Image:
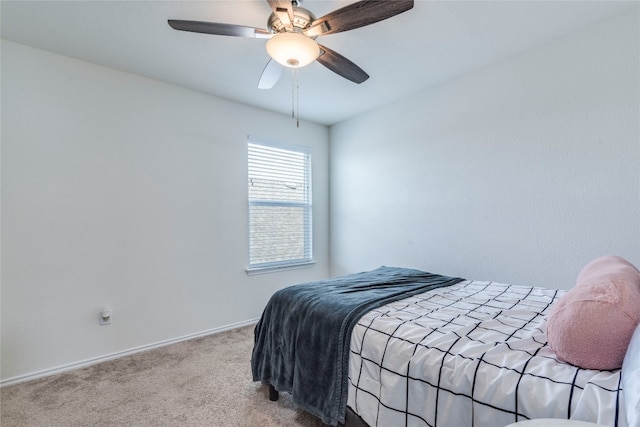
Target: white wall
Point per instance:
(125, 191)
(519, 172)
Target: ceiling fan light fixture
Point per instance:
(293, 50)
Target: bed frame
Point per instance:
(352, 419)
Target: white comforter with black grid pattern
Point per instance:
(472, 354)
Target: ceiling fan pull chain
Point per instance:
(297, 100)
(293, 93)
(295, 97)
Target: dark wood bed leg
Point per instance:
(353, 420)
(273, 393)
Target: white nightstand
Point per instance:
(553, 422)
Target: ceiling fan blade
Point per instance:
(284, 10)
(270, 75)
(341, 65)
(357, 15)
(218, 29)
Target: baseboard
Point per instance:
(116, 355)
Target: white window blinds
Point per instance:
(279, 205)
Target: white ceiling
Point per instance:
(433, 42)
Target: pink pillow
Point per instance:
(592, 324)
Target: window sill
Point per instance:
(264, 270)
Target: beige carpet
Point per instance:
(202, 382)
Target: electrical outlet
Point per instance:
(105, 316)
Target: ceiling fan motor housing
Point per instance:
(302, 19)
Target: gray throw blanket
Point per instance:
(302, 340)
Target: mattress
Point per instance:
(472, 354)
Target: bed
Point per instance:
(430, 350)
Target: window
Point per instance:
(279, 205)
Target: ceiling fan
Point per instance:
(292, 30)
